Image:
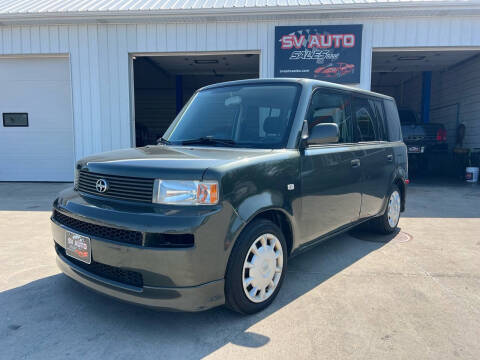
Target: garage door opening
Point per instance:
(437, 93)
(163, 84)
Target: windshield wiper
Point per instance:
(208, 140)
(163, 141)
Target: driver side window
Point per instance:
(329, 106)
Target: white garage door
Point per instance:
(43, 150)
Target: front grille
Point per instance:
(104, 232)
(119, 187)
(106, 271)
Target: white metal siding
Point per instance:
(100, 61)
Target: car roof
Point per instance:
(301, 81)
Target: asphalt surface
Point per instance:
(415, 295)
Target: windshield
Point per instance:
(250, 115)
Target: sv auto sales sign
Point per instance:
(330, 52)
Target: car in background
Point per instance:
(334, 70)
(426, 142)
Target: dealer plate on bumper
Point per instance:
(414, 149)
(78, 247)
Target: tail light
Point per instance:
(442, 134)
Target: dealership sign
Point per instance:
(330, 52)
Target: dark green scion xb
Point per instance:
(249, 174)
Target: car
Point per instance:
(249, 174)
(334, 70)
(426, 143)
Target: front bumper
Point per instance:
(194, 298)
(187, 279)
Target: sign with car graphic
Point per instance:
(328, 52)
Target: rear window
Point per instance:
(407, 117)
(393, 121)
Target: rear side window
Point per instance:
(393, 121)
(368, 123)
(331, 107)
(380, 114)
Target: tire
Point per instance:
(271, 246)
(388, 222)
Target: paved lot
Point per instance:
(357, 296)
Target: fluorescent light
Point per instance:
(206, 61)
(411, 58)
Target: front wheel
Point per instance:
(388, 222)
(256, 268)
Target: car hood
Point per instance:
(167, 162)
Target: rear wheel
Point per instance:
(256, 268)
(388, 222)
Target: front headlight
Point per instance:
(185, 192)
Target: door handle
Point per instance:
(390, 157)
(355, 163)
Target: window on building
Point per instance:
(15, 119)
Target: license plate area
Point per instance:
(78, 247)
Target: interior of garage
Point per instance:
(439, 87)
(163, 84)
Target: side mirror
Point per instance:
(323, 134)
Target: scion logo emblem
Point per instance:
(101, 185)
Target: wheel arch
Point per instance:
(280, 218)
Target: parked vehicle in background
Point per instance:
(334, 70)
(426, 142)
(248, 174)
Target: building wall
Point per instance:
(100, 67)
(411, 94)
(458, 85)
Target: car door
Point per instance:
(374, 153)
(329, 175)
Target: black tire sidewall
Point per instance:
(234, 293)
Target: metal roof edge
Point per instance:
(471, 8)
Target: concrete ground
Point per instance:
(358, 296)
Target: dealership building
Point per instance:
(78, 77)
